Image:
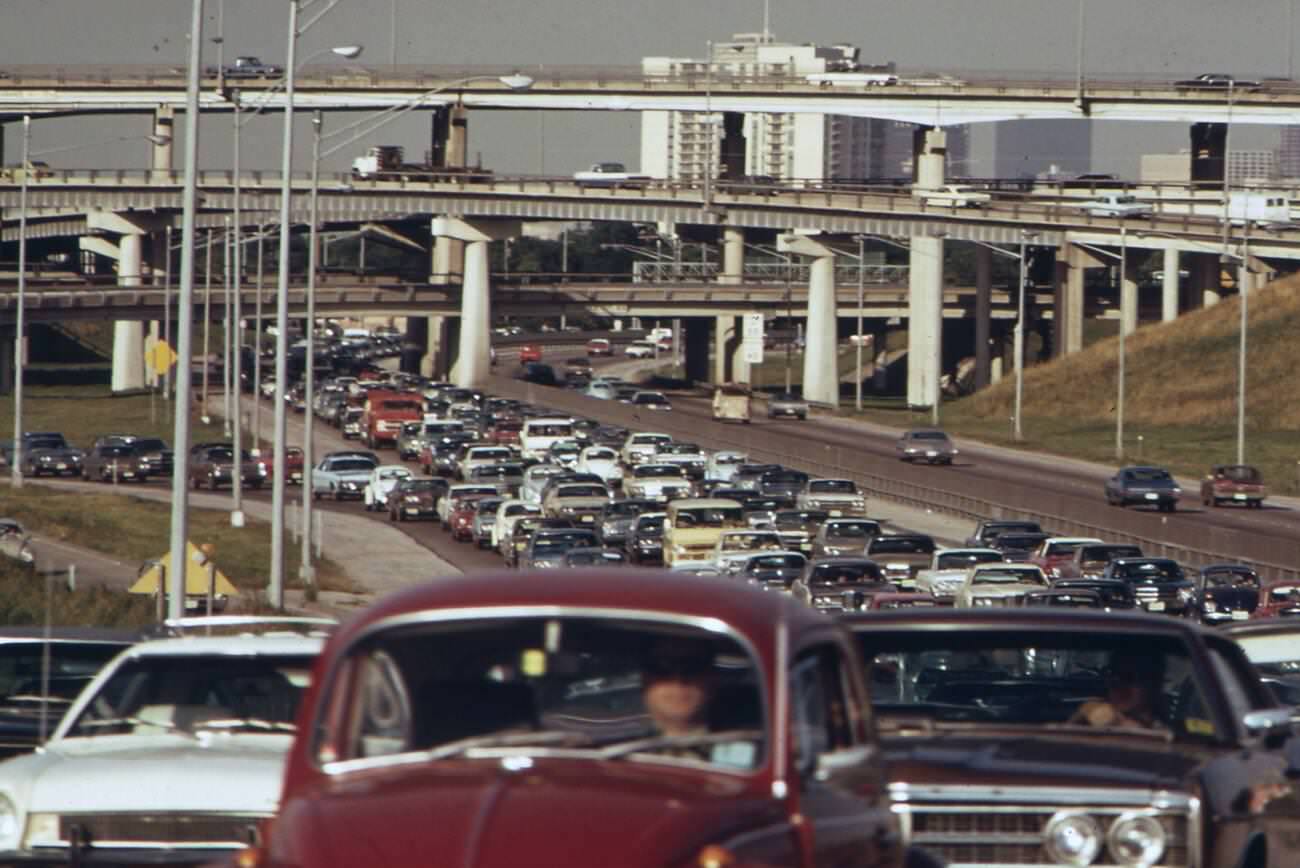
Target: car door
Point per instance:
(842, 794)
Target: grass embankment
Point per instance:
(1180, 394)
(24, 601)
(120, 524)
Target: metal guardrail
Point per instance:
(846, 274)
(1276, 558)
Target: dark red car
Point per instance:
(505, 431)
(462, 518)
(591, 717)
(530, 353)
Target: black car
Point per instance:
(50, 454)
(1226, 593)
(156, 457)
(1217, 80)
(798, 527)
(1143, 486)
(1159, 584)
(989, 530)
(617, 518)
(1112, 593)
(1017, 546)
(783, 481)
(645, 540)
(539, 373)
(775, 570)
(835, 585)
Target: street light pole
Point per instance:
(857, 391)
(306, 570)
(1244, 284)
(276, 589)
(1079, 58)
(20, 330)
(179, 536)
(1123, 327)
(1017, 430)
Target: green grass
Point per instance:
(25, 598)
(82, 413)
(135, 530)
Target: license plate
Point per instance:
(586, 519)
(61, 466)
(1151, 495)
(411, 510)
(1240, 616)
(1234, 497)
(836, 513)
(931, 454)
(1155, 606)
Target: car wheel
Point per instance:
(315, 495)
(334, 494)
(212, 484)
(257, 486)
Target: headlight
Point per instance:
(261, 469)
(1177, 490)
(909, 450)
(1072, 839)
(679, 549)
(8, 824)
(412, 498)
(1136, 840)
(984, 601)
(1185, 595)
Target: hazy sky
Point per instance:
(1165, 38)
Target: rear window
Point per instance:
(901, 546)
(581, 491)
(832, 486)
(836, 574)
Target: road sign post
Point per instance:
(752, 338)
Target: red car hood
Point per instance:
(475, 814)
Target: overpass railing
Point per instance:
(846, 274)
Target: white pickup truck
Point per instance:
(609, 175)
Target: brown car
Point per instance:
(415, 499)
(902, 556)
(1233, 483)
(214, 467)
(113, 463)
(1058, 736)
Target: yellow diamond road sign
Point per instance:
(161, 357)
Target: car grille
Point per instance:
(995, 832)
(159, 830)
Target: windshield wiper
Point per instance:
(135, 721)
(249, 723)
(546, 738)
(661, 742)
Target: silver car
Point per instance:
(787, 405)
(926, 444)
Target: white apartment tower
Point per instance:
(678, 145)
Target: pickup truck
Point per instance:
(609, 175)
(247, 66)
(1233, 483)
(384, 414)
(1115, 205)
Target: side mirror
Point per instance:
(1271, 725)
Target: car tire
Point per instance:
(212, 484)
(256, 486)
(315, 495)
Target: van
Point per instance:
(537, 435)
(1258, 207)
(694, 525)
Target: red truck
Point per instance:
(384, 413)
(1233, 483)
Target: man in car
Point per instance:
(1133, 693)
(676, 686)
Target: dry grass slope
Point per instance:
(1179, 373)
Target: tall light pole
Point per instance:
(1079, 40)
(1245, 284)
(1017, 431)
(1123, 328)
(306, 570)
(857, 390)
(184, 326)
(20, 330)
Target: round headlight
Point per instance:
(1136, 839)
(1072, 839)
(8, 824)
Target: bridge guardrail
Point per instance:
(1277, 558)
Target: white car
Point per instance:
(940, 583)
(964, 558)
(602, 461)
(641, 446)
(535, 479)
(954, 196)
(177, 746)
(735, 547)
(340, 476)
(838, 497)
(602, 389)
(1116, 205)
(455, 493)
(480, 456)
(509, 512)
(722, 465)
(641, 350)
(999, 584)
(657, 482)
(383, 479)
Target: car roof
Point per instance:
(703, 503)
(1030, 618)
(241, 645)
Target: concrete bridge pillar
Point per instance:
(733, 255)
(821, 377)
(695, 338)
(1169, 286)
(473, 360)
(164, 117)
(929, 157)
(729, 364)
(128, 335)
(450, 136)
(924, 321)
(983, 312)
(1128, 297)
(1206, 287)
(1071, 296)
(732, 146)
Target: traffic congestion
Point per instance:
(673, 655)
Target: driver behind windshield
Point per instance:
(1133, 694)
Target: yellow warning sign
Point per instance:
(160, 357)
(196, 576)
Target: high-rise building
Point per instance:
(1288, 154)
(1252, 166)
(786, 146)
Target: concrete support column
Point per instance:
(929, 157)
(6, 362)
(1060, 277)
(696, 350)
(448, 260)
(924, 321)
(1208, 280)
(163, 120)
(1069, 310)
(724, 330)
(983, 312)
(821, 376)
(733, 255)
(740, 372)
(473, 358)
(1128, 298)
(1169, 286)
(128, 335)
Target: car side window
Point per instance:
(819, 706)
(1241, 698)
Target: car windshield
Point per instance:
(650, 439)
(545, 471)
(838, 574)
(849, 530)
(495, 471)
(494, 687)
(657, 471)
(158, 694)
(784, 476)
(741, 542)
(709, 516)
(420, 485)
(789, 561)
(1042, 679)
(344, 465)
(901, 546)
(71, 665)
(626, 508)
(786, 396)
(725, 459)
(1106, 554)
(581, 491)
(649, 398)
(1231, 579)
(928, 435)
(559, 542)
(549, 430)
(44, 443)
(1001, 576)
(832, 486)
(955, 560)
(799, 518)
(394, 473)
(600, 455)
(650, 524)
(1147, 571)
